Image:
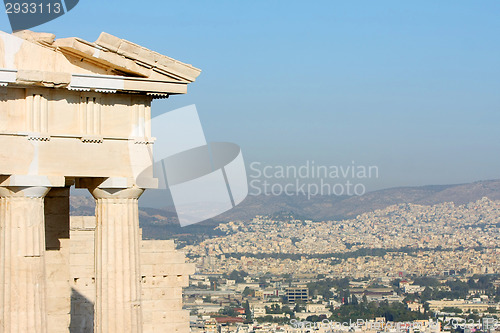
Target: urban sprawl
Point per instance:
(407, 267)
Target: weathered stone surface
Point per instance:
(22, 261)
(161, 295)
(43, 37)
(78, 113)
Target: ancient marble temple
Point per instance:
(76, 113)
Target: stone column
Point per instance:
(117, 249)
(22, 260)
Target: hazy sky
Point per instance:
(410, 86)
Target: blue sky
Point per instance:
(410, 86)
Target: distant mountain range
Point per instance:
(334, 207)
(318, 207)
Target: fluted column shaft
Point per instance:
(118, 297)
(22, 260)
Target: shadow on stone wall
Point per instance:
(82, 313)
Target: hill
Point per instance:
(162, 223)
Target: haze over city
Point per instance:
(370, 201)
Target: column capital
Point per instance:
(116, 193)
(24, 191)
(111, 187)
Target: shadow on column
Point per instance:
(56, 218)
(82, 313)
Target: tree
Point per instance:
(248, 312)
(238, 276)
(427, 307)
(426, 294)
(274, 309)
(458, 288)
(298, 308)
(248, 292)
(426, 281)
(286, 309)
(315, 318)
(228, 311)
